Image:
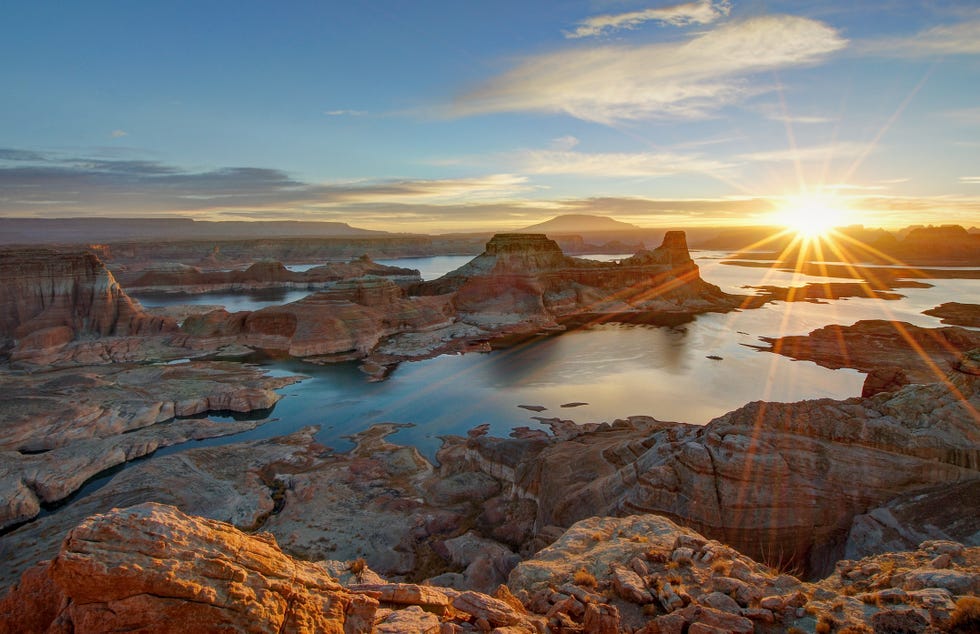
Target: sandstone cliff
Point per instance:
(47, 299)
(526, 279)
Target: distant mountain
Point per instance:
(89, 230)
(580, 223)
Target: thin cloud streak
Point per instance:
(616, 164)
(962, 38)
(704, 12)
(688, 79)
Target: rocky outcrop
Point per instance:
(524, 281)
(47, 299)
(957, 314)
(153, 568)
(925, 355)
(780, 481)
(905, 521)
(63, 427)
(351, 319)
(265, 274)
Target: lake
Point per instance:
(618, 370)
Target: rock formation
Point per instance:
(350, 318)
(153, 568)
(61, 428)
(924, 354)
(188, 279)
(780, 481)
(957, 314)
(47, 299)
(525, 280)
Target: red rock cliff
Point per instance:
(72, 293)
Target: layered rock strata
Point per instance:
(527, 279)
(48, 299)
(780, 481)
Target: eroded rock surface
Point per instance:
(526, 280)
(153, 568)
(48, 299)
(780, 481)
(59, 428)
(957, 314)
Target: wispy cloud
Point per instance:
(564, 143)
(118, 134)
(345, 113)
(962, 38)
(703, 12)
(688, 79)
(615, 164)
(970, 180)
(32, 180)
(807, 153)
(776, 112)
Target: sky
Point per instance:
(433, 117)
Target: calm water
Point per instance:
(618, 370)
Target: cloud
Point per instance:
(806, 154)
(31, 180)
(703, 12)
(687, 79)
(775, 112)
(962, 38)
(564, 143)
(970, 180)
(118, 134)
(615, 164)
(345, 113)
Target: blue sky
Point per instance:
(441, 116)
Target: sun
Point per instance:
(811, 216)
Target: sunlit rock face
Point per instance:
(49, 298)
(525, 278)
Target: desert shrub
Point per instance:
(966, 617)
(584, 578)
(860, 628)
(721, 568)
(357, 567)
(825, 625)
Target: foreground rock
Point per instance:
(60, 428)
(152, 568)
(49, 299)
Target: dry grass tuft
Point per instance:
(584, 578)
